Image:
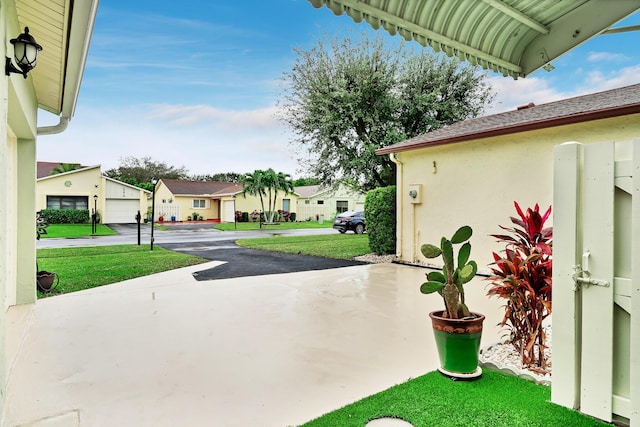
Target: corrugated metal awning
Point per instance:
(514, 37)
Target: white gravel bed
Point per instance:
(375, 259)
(504, 358)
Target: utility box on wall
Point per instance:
(415, 193)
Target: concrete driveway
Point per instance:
(167, 350)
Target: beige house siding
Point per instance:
(75, 183)
(113, 195)
(182, 206)
(325, 203)
(218, 207)
(251, 203)
(476, 182)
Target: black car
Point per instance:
(350, 220)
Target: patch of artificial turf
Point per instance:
(494, 400)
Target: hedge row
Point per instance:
(66, 216)
(281, 215)
(380, 211)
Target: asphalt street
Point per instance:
(215, 245)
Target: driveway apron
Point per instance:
(242, 262)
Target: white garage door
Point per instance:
(121, 211)
(228, 211)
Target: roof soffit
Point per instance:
(514, 37)
(63, 28)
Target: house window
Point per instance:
(342, 206)
(68, 202)
(307, 202)
(200, 203)
(321, 202)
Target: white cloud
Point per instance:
(606, 57)
(511, 93)
(230, 141)
(187, 115)
(598, 80)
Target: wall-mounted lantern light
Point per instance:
(26, 54)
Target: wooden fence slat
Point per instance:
(565, 389)
(634, 365)
(597, 301)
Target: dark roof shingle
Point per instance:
(601, 105)
(201, 188)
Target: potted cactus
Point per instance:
(456, 329)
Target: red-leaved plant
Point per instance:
(523, 277)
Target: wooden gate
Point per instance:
(596, 279)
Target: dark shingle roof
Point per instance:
(201, 188)
(601, 105)
(45, 168)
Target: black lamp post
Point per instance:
(154, 181)
(94, 229)
(235, 217)
(25, 52)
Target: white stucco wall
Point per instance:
(476, 183)
(18, 108)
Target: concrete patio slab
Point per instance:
(278, 350)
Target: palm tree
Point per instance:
(253, 185)
(266, 183)
(64, 167)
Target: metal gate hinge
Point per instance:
(583, 276)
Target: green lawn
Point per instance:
(343, 246)
(75, 230)
(495, 400)
(229, 226)
(89, 267)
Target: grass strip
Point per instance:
(242, 226)
(75, 230)
(342, 246)
(495, 400)
(89, 267)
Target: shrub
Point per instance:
(284, 215)
(238, 216)
(380, 213)
(523, 278)
(66, 216)
(255, 216)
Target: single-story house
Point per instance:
(315, 201)
(63, 30)
(86, 188)
(212, 200)
(471, 172)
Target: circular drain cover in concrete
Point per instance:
(388, 422)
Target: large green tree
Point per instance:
(220, 177)
(345, 99)
(266, 184)
(140, 171)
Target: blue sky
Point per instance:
(197, 86)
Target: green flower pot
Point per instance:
(458, 342)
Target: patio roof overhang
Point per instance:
(514, 38)
(63, 28)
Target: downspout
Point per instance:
(399, 203)
(51, 130)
